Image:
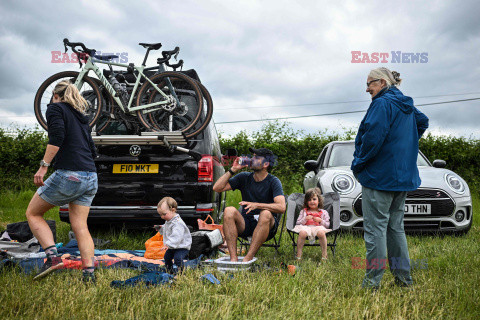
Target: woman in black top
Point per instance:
(74, 181)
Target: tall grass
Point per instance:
(447, 289)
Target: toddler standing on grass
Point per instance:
(176, 235)
(312, 222)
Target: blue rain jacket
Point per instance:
(386, 146)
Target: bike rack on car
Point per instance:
(173, 140)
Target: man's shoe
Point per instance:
(49, 266)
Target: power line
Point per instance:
(293, 105)
(337, 102)
(315, 115)
(337, 113)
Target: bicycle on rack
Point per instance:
(169, 101)
(208, 103)
(160, 121)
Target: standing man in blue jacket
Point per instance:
(385, 164)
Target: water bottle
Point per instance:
(115, 84)
(124, 93)
(120, 89)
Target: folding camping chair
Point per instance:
(273, 242)
(331, 203)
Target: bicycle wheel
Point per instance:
(203, 122)
(188, 93)
(88, 90)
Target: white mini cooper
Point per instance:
(442, 202)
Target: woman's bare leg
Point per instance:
(78, 219)
(40, 229)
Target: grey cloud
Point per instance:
(287, 52)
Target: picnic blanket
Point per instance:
(131, 259)
(154, 277)
(109, 258)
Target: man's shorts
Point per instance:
(251, 224)
(64, 186)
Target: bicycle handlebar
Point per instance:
(168, 54)
(176, 65)
(73, 45)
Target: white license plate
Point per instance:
(424, 208)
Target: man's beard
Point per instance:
(257, 169)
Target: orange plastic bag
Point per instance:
(154, 247)
(203, 225)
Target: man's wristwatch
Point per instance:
(44, 164)
(231, 172)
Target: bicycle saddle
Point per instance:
(151, 46)
(106, 57)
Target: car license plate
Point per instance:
(424, 208)
(135, 168)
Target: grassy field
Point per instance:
(447, 289)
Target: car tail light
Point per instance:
(209, 211)
(205, 169)
(64, 209)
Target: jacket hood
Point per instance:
(80, 116)
(396, 97)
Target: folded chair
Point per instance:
(273, 242)
(331, 203)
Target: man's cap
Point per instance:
(266, 153)
(263, 152)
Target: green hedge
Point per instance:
(20, 153)
(295, 147)
(461, 154)
(22, 149)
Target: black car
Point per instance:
(136, 171)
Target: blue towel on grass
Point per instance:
(152, 278)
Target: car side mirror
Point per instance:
(229, 157)
(311, 165)
(439, 163)
(231, 153)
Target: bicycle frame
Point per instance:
(90, 66)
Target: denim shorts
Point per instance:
(64, 186)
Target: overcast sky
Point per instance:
(256, 57)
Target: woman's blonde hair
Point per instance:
(70, 94)
(310, 194)
(391, 77)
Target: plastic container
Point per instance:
(224, 264)
(245, 161)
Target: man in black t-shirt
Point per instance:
(262, 200)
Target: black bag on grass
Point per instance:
(204, 242)
(21, 232)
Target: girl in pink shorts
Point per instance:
(312, 222)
